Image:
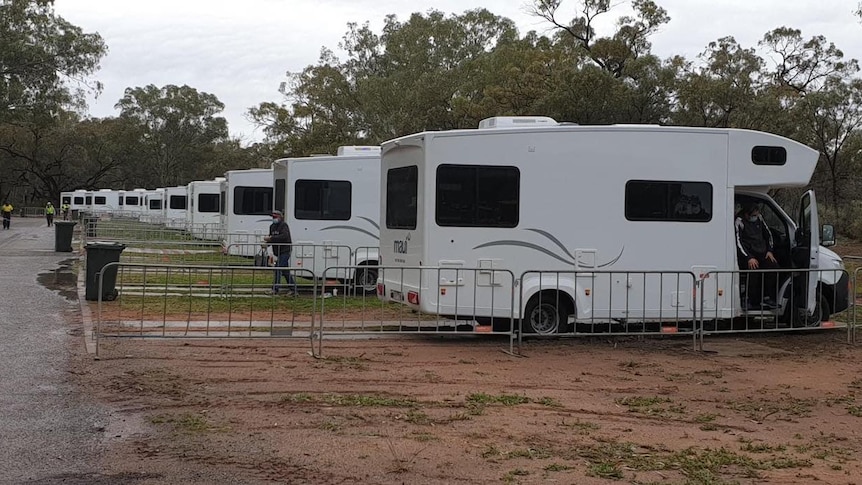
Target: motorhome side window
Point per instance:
(761, 155)
(402, 186)
(131, 201)
(208, 203)
(178, 202)
(222, 203)
(156, 204)
(100, 200)
(252, 201)
(280, 194)
(79, 200)
(478, 196)
(89, 200)
(67, 200)
(651, 200)
(325, 200)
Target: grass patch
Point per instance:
(417, 417)
(330, 426)
(556, 467)
(349, 400)
(784, 408)
(187, 423)
(550, 402)
(705, 418)
(762, 448)
(855, 411)
(583, 427)
(504, 399)
(641, 402)
(605, 470)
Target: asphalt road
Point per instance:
(49, 431)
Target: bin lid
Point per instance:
(63, 223)
(105, 245)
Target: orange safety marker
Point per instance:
(829, 324)
(668, 330)
(483, 329)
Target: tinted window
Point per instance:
(255, 201)
(89, 200)
(648, 200)
(131, 201)
(327, 200)
(477, 196)
(79, 200)
(156, 204)
(66, 200)
(223, 203)
(280, 194)
(178, 202)
(769, 155)
(101, 200)
(401, 193)
(208, 203)
(121, 200)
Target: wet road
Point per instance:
(49, 431)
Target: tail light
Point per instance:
(380, 289)
(413, 297)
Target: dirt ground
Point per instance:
(759, 409)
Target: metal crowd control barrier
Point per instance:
(36, 212)
(591, 303)
(774, 300)
(205, 302)
(313, 257)
(464, 301)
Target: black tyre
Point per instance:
(365, 280)
(546, 315)
(800, 318)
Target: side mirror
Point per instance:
(827, 236)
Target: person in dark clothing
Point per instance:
(279, 237)
(755, 248)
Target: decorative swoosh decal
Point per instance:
(555, 240)
(370, 221)
(351, 228)
(525, 245)
(546, 251)
(613, 260)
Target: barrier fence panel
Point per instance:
(584, 303)
(204, 301)
(419, 300)
(313, 257)
(37, 212)
(776, 300)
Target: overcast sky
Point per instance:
(240, 51)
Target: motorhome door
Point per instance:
(809, 228)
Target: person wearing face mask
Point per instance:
(756, 250)
(279, 237)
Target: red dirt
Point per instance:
(774, 408)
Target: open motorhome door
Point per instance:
(809, 236)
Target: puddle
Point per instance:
(63, 280)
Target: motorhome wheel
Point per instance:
(366, 279)
(545, 316)
(800, 318)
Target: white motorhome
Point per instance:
(246, 209)
(332, 206)
(132, 202)
(175, 206)
(204, 207)
(523, 194)
(105, 201)
(79, 198)
(152, 212)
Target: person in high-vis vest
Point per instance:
(6, 211)
(65, 209)
(49, 214)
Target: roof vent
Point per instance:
(346, 151)
(517, 122)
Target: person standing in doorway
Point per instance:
(279, 237)
(6, 210)
(755, 248)
(49, 214)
